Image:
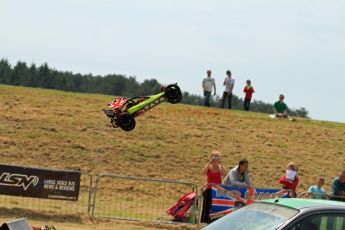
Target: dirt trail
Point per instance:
(88, 224)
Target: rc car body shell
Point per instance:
(123, 110)
(148, 101)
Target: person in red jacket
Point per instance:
(288, 183)
(249, 90)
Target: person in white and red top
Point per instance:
(249, 90)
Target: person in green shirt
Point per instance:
(280, 108)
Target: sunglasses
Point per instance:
(216, 158)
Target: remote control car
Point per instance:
(123, 110)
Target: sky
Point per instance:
(294, 47)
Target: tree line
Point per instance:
(43, 76)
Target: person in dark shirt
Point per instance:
(338, 187)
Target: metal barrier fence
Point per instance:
(26, 205)
(134, 198)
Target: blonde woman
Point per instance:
(214, 171)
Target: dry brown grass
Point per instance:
(68, 130)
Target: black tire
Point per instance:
(173, 94)
(114, 123)
(126, 122)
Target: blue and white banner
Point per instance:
(226, 199)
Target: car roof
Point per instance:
(298, 203)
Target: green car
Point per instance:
(287, 214)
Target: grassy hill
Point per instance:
(57, 129)
(50, 128)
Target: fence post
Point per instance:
(89, 204)
(200, 204)
(94, 195)
(196, 205)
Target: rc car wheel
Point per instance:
(114, 123)
(173, 94)
(126, 122)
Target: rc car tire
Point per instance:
(126, 122)
(173, 93)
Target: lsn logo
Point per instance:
(18, 180)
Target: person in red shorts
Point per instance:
(248, 90)
(214, 171)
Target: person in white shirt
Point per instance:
(207, 84)
(229, 84)
(238, 177)
(290, 175)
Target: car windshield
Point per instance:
(258, 216)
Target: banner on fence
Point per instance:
(226, 199)
(39, 183)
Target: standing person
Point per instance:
(214, 171)
(290, 179)
(338, 187)
(238, 176)
(207, 84)
(249, 90)
(316, 191)
(229, 84)
(280, 108)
